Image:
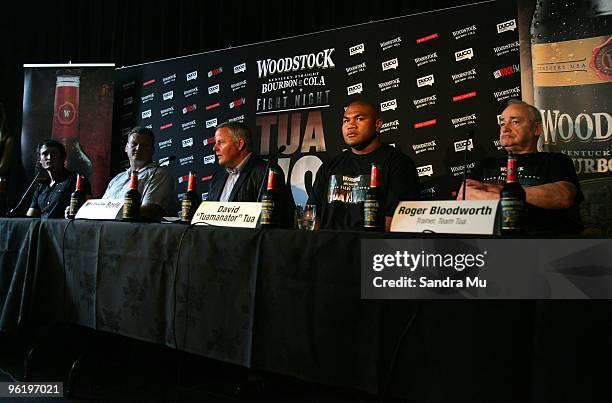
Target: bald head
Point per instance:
(360, 127)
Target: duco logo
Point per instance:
(389, 105)
(355, 89)
(390, 64)
(425, 170)
(240, 68)
(464, 54)
(357, 49)
(427, 80)
(211, 123)
(461, 145)
(192, 76)
(506, 26)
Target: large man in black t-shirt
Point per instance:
(551, 185)
(341, 183)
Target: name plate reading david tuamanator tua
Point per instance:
(446, 217)
(227, 214)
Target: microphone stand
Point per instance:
(468, 136)
(18, 206)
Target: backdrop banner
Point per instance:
(435, 76)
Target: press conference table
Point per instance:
(289, 302)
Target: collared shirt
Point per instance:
(233, 175)
(52, 200)
(160, 188)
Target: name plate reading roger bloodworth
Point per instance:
(446, 217)
(101, 209)
(228, 214)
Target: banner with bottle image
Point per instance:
(73, 104)
(571, 50)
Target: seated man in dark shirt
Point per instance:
(340, 184)
(53, 196)
(242, 177)
(551, 185)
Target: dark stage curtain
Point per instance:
(133, 32)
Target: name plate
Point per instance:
(446, 216)
(101, 209)
(228, 214)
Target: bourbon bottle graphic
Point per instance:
(66, 121)
(571, 48)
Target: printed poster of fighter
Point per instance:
(436, 77)
(73, 104)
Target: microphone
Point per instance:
(468, 136)
(272, 157)
(165, 163)
(18, 206)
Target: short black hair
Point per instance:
(51, 144)
(375, 110)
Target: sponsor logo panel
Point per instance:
(319, 60)
(461, 145)
(240, 68)
(388, 105)
(423, 147)
(387, 85)
(464, 54)
(425, 170)
(509, 25)
(390, 64)
(389, 126)
(462, 97)
(426, 101)
(358, 68)
(169, 79)
(355, 89)
(426, 38)
(357, 49)
(425, 123)
(463, 32)
(392, 43)
(192, 76)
